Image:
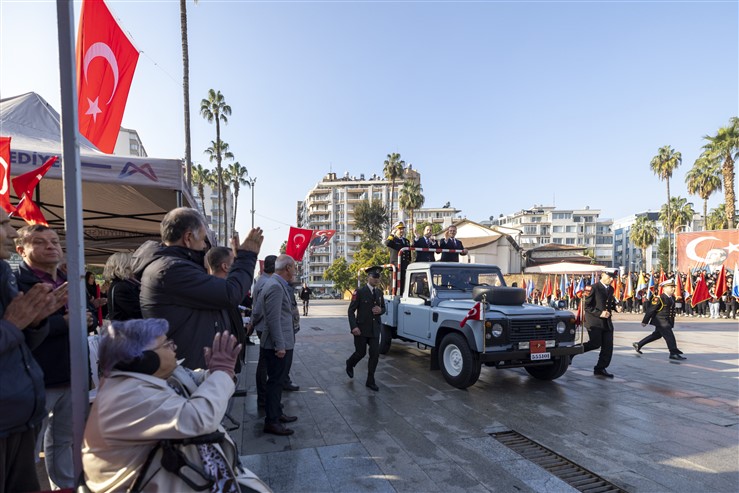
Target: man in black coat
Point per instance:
(599, 307)
(661, 314)
(364, 322)
(395, 242)
(426, 241)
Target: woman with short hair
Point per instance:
(123, 293)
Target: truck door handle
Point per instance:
(407, 313)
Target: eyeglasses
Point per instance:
(169, 344)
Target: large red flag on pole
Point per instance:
(5, 175)
(106, 61)
(701, 291)
(297, 242)
(26, 183)
(721, 286)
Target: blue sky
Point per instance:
(499, 105)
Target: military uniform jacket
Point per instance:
(360, 311)
(599, 300)
(660, 312)
(395, 243)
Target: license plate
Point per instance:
(540, 356)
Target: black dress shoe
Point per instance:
(277, 429)
(290, 387)
(602, 372)
(636, 347)
(288, 419)
(677, 357)
(349, 370)
(373, 386)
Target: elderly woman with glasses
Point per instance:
(154, 425)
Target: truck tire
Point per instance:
(459, 364)
(386, 338)
(550, 372)
(500, 295)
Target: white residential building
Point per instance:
(213, 214)
(129, 143)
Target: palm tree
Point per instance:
(681, 213)
(643, 233)
(724, 148)
(411, 198)
(393, 169)
(238, 175)
(703, 179)
(186, 90)
(201, 177)
(215, 152)
(214, 108)
(717, 219)
(663, 164)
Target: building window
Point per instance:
(558, 229)
(570, 241)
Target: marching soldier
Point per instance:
(395, 242)
(364, 322)
(661, 314)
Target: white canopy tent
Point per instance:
(565, 268)
(124, 198)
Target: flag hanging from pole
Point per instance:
(106, 62)
(5, 175)
(678, 287)
(30, 211)
(26, 183)
(721, 282)
(701, 291)
(475, 313)
(297, 242)
(735, 282)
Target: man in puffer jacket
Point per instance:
(22, 395)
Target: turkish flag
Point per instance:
(678, 287)
(321, 237)
(297, 242)
(721, 286)
(5, 175)
(701, 291)
(25, 184)
(106, 61)
(475, 313)
(30, 212)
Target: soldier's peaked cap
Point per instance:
(399, 224)
(374, 271)
(669, 282)
(610, 272)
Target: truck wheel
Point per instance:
(550, 372)
(459, 364)
(386, 338)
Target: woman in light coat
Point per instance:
(145, 398)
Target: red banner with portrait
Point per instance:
(707, 250)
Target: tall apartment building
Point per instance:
(542, 225)
(213, 214)
(129, 143)
(330, 205)
(627, 256)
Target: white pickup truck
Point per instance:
(504, 332)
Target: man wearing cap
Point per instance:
(661, 314)
(395, 242)
(364, 322)
(599, 306)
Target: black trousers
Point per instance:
(659, 333)
(360, 350)
(601, 338)
(17, 462)
(277, 370)
(261, 376)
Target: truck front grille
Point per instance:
(532, 329)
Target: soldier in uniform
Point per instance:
(661, 314)
(364, 322)
(599, 305)
(395, 242)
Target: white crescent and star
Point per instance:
(690, 248)
(295, 239)
(4, 184)
(100, 50)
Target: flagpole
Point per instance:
(73, 225)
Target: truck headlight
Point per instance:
(561, 326)
(497, 330)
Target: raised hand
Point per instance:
(253, 241)
(223, 354)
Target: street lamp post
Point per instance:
(677, 228)
(251, 182)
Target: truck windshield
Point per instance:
(465, 279)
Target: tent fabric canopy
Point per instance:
(565, 268)
(124, 197)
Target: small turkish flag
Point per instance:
(5, 175)
(25, 184)
(30, 211)
(475, 313)
(297, 242)
(106, 61)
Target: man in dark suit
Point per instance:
(661, 314)
(426, 241)
(395, 242)
(450, 242)
(599, 306)
(364, 322)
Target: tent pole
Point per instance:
(73, 224)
